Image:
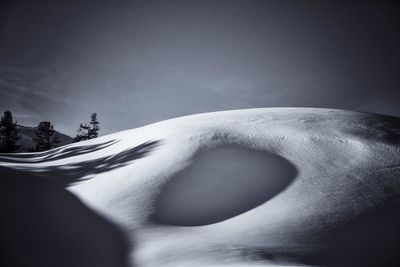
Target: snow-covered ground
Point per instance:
(348, 167)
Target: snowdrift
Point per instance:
(295, 186)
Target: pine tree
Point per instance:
(86, 132)
(9, 134)
(94, 130)
(82, 133)
(46, 137)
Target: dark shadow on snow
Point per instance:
(220, 184)
(42, 224)
(370, 239)
(382, 128)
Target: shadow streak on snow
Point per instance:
(74, 172)
(55, 154)
(42, 224)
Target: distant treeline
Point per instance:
(45, 135)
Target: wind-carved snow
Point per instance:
(347, 164)
(221, 183)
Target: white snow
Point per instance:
(344, 166)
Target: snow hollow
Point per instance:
(218, 184)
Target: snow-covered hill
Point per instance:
(341, 207)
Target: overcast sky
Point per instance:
(138, 62)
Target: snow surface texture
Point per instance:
(348, 164)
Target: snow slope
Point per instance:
(348, 174)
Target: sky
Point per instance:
(139, 62)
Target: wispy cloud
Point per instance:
(25, 93)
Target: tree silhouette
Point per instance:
(46, 138)
(9, 134)
(82, 133)
(94, 130)
(86, 132)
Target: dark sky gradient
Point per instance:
(138, 62)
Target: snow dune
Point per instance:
(334, 174)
